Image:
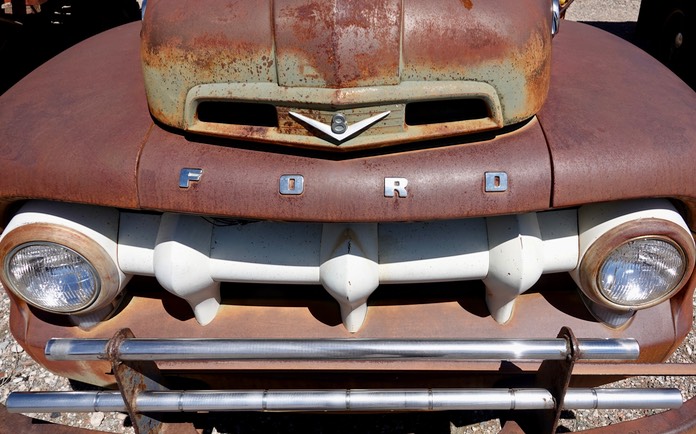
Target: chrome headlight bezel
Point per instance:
(106, 271)
(555, 16)
(643, 229)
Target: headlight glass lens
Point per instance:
(641, 271)
(52, 277)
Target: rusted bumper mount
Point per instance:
(144, 395)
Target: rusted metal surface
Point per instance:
(439, 314)
(637, 369)
(355, 104)
(338, 44)
(315, 45)
(134, 377)
(72, 129)
(682, 310)
(75, 131)
(511, 427)
(442, 182)
(555, 375)
(182, 47)
(594, 160)
(476, 40)
(617, 128)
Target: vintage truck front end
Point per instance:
(321, 206)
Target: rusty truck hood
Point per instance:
(244, 69)
(78, 130)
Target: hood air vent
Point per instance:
(445, 111)
(238, 113)
(260, 112)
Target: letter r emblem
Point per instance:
(395, 187)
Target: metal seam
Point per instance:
(264, 403)
(431, 399)
(347, 399)
(595, 398)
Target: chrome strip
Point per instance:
(341, 349)
(344, 400)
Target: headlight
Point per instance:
(637, 264)
(641, 271)
(58, 269)
(52, 277)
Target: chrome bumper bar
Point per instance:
(143, 391)
(344, 400)
(341, 349)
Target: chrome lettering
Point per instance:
(496, 182)
(188, 175)
(395, 187)
(291, 184)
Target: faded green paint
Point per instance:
(304, 54)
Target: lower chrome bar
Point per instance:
(341, 349)
(610, 399)
(343, 400)
(78, 402)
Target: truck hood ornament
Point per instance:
(339, 128)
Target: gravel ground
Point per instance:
(19, 373)
(604, 11)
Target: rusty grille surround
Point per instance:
(356, 104)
